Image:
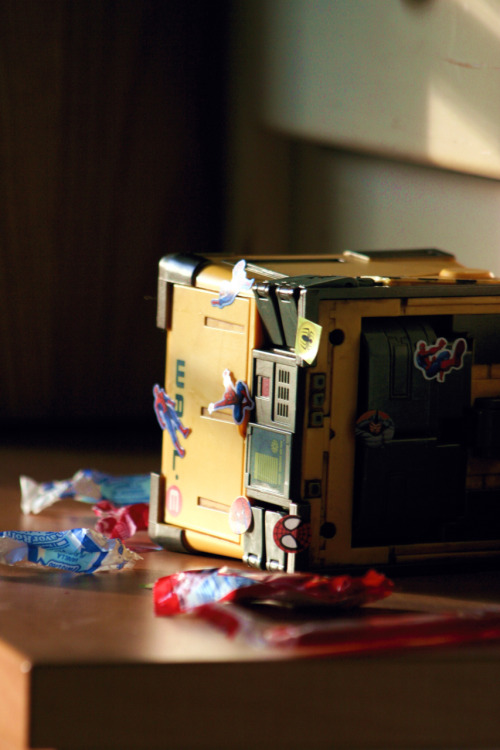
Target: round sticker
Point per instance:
(375, 427)
(240, 515)
(174, 500)
(292, 534)
(307, 339)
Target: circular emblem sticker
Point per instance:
(292, 534)
(375, 427)
(240, 515)
(174, 500)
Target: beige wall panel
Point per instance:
(424, 75)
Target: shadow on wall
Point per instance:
(378, 127)
(112, 137)
(344, 200)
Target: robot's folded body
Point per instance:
(329, 411)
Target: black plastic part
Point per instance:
(390, 381)
(410, 479)
(328, 530)
(485, 330)
(336, 337)
(485, 428)
(407, 492)
(481, 519)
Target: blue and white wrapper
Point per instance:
(75, 550)
(86, 485)
(211, 587)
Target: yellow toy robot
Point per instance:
(329, 411)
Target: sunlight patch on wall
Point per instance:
(486, 12)
(452, 129)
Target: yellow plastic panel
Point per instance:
(203, 342)
(452, 306)
(485, 388)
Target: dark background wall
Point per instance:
(112, 146)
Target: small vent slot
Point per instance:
(283, 376)
(282, 410)
(283, 395)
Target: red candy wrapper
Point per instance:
(319, 615)
(121, 522)
(190, 590)
(361, 634)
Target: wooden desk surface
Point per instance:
(85, 664)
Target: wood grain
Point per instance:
(85, 663)
(112, 128)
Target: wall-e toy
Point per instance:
(335, 410)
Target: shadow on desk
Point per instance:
(49, 451)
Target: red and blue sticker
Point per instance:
(436, 361)
(292, 534)
(240, 515)
(168, 418)
(174, 501)
(229, 290)
(237, 397)
(375, 427)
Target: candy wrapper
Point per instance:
(363, 632)
(86, 485)
(189, 590)
(75, 550)
(317, 615)
(121, 522)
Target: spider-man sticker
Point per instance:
(168, 418)
(292, 534)
(237, 397)
(229, 290)
(436, 361)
